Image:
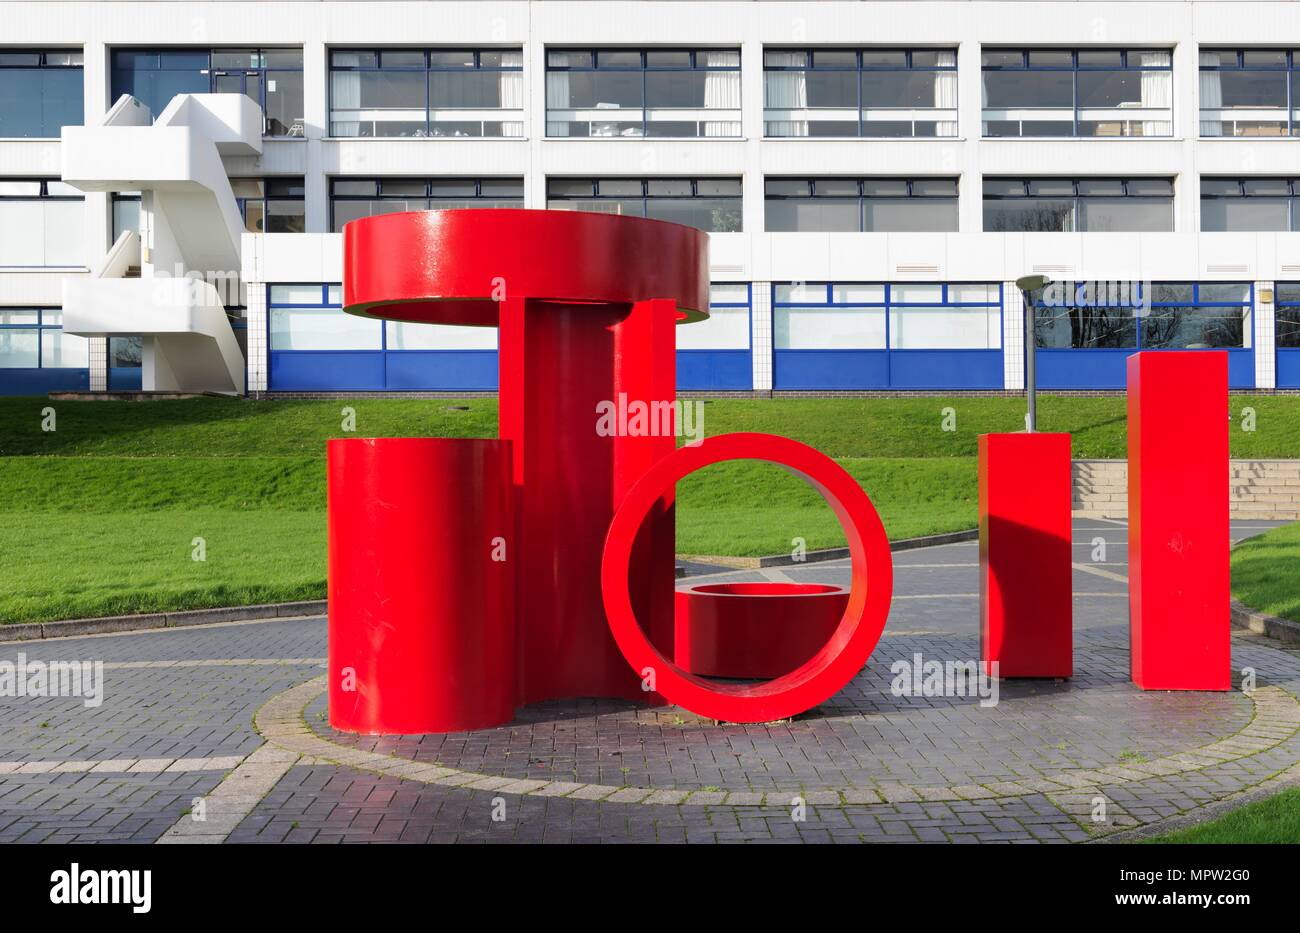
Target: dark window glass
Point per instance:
(851, 205)
(40, 93)
(352, 199)
(712, 205)
(1064, 205)
(1253, 204)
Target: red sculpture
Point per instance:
(421, 623)
(586, 305)
(1178, 520)
(834, 664)
(754, 631)
(1025, 555)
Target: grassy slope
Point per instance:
(1266, 572)
(1274, 820)
(97, 516)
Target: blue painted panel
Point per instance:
(1288, 368)
(945, 369)
(40, 381)
(1082, 369)
(829, 369)
(715, 369)
(443, 370)
(325, 371)
(1241, 369)
(1108, 369)
(125, 378)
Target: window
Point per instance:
(40, 92)
(126, 212)
(709, 204)
(273, 205)
(629, 92)
(898, 316)
(1251, 204)
(1087, 92)
(1286, 315)
(33, 338)
(272, 78)
(41, 224)
(1149, 316)
(871, 205)
(311, 317)
(860, 92)
(1078, 205)
(726, 327)
(426, 92)
(352, 198)
(1251, 92)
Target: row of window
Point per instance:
(693, 92)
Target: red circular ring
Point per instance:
(839, 660)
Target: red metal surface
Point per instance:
(754, 631)
(586, 305)
(1025, 555)
(419, 610)
(1178, 520)
(834, 664)
(455, 267)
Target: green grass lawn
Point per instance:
(1266, 572)
(97, 517)
(1273, 820)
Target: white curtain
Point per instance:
(1211, 95)
(945, 93)
(786, 90)
(1157, 91)
(722, 92)
(557, 98)
(345, 94)
(511, 90)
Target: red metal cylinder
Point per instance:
(754, 630)
(421, 584)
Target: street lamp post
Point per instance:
(1028, 284)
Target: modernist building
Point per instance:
(875, 177)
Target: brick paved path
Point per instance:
(1051, 762)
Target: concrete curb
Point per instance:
(156, 620)
(834, 553)
(1261, 623)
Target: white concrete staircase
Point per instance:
(1267, 489)
(188, 243)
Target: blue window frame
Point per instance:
(315, 346)
(1085, 331)
(643, 92)
(1079, 92)
(1250, 92)
(1286, 330)
(36, 356)
(272, 78)
(41, 91)
(717, 354)
(830, 92)
(878, 335)
(426, 92)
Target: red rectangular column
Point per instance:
(1024, 511)
(1178, 520)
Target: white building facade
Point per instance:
(874, 176)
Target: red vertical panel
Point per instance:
(1025, 555)
(421, 620)
(1178, 520)
(570, 476)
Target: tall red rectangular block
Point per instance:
(1025, 574)
(1178, 520)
